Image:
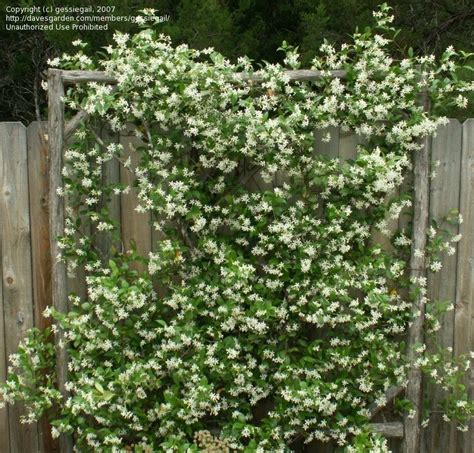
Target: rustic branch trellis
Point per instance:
(59, 131)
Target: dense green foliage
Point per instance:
(255, 28)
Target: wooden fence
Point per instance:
(25, 265)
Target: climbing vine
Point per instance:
(266, 313)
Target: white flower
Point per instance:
(461, 101)
(419, 253)
(86, 182)
(199, 224)
(54, 62)
(121, 38)
(436, 266)
(305, 265)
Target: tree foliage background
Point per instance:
(234, 27)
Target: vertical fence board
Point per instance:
(329, 148)
(468, 438)
(110, 175)
(4, 428)
(348, 142)
(16, 263)
(135, 225)
(444, 196)
(40, 247)
(464, 310)
(38, 189)
(76, 281)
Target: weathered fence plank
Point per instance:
(4, 412)
(110, 175)
(348, 142)
(464, 308)
(135, 225)
(16, 263)
(76, 280)
(40, 246)
(38, 192)
(326, 141)
(444, 196)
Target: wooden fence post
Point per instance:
(56, 225)
(421, 170)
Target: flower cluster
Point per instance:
(265, 314)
